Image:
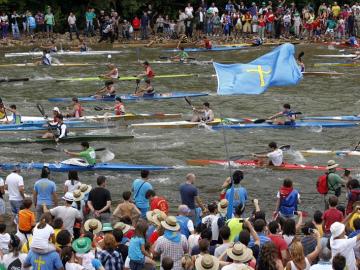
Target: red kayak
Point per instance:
(257, 164)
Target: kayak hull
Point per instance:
(36, 127)
(312, 152)
(214, 49)
(127, 78)
(79, 138)
(337, 55)
(256, 164)
(338, 118)
(73, 53)
(297, 125)
(175, 124)
(52, 65)
(60, 167)
(322, 73)
(130, 97)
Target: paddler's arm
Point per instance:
(73, 154)
(275, 115)
(260, 155)
(101, 90)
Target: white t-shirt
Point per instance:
(9, 259)
(4, 242)
(276, 157)
(73, 266)
(41, 237)
(207, 220)
(321, 266)
(68, 215)
(71, 187)
(235, 266)
(87, 259)
(345, 247)
(71, 20)
(14, 181)
(189, 11)
(193, 241)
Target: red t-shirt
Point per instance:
(279, 242)
(330, 216)
(159, 203)
(136, 23)
(129, 234)
(153, 237)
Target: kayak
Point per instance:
(176, 124)
(77, 138)
(297, 125)
(130, 97)
(5, 126)
(330, 152)
(36, 127)
(52, 65)
(186, 62)
(128, 78)
(337, 55)
(322, 73)
(105, 117)
(73, 53)
(214, 49)
(257, 164)
(354, 64)
(340, 44)
(338, 118)
(61, 167)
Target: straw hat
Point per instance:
(222, 206)
(170, 223)
(336, 229)
(78, 195)
(122, 226)
(82, 245)
(331, 164)
(207, 262)
(84, 188)
(93, 225)
(156, 216)
(239, 252)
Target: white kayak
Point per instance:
(175, 124)
(59, 53)
(330, 152)
(337, 55)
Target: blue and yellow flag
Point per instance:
(276, 68)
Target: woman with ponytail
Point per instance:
(43, 236)
(72, 183)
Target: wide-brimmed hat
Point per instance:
(56, 109)
(337, 229)
(331, 164)
(239, 252)
(122, 226)
(106, 227)
(207, 262)
(222, 206)
(68, 197)
(84, 188)
(156, 216)
(170, 223)
(93, 225)
(82, 245)
(78, 195)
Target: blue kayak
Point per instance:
(297, 125)
(214, 49)
(130, 97)
(338, 118)
(60, 167)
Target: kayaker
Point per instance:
(147, 90)
(113, 73)
(56, 113)
(290, 116)
(119, 107)
(148, 73)
(16, 117)
(203, 115)
(275, 156)
(45, 59)
(206, 43)
(59, 129)
(181, 56)
(182, 39)
(2, 111)
(88, 154)
(83, 47)
(77, 109)
(300, 62)
(108, 90)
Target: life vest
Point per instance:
(79, 112)
(149, 73)
(288, 205)
(207, 44)
(119, 109)
(183, 221)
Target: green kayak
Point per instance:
(79, 138)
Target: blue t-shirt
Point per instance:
(240, 196)
(135, 253)
(139, 191)
(188, 193)
(48, 261)
(44, 189)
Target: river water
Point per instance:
(313, 96)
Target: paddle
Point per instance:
(2, 105)
(283, 148)
(42, 111)
(98, 108)
(48, 150)
(137, 85)
(356, 147)
(260, 121)
(188, 101)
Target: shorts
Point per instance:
(149, 94)
(289, 123)
(15, 206)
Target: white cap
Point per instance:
(337, 229)
(68, 197)
(56, 109)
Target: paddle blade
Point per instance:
(107, 156)
(41, 109)
(259, 121)
(285, 147)
(49, 150)
(164, 57)
(98, 108)
(188, 101)
(100, 149)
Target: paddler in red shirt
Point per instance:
(77, 109)
(148, 73)
(157, 202)
(206, 43)
(119, 108)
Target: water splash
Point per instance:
(297, 156)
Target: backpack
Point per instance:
(322, 184)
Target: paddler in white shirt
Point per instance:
(275, 156)
(59, 130)
(203, 115)
(113, 73)
(45, 59)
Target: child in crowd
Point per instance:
(4, 239)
